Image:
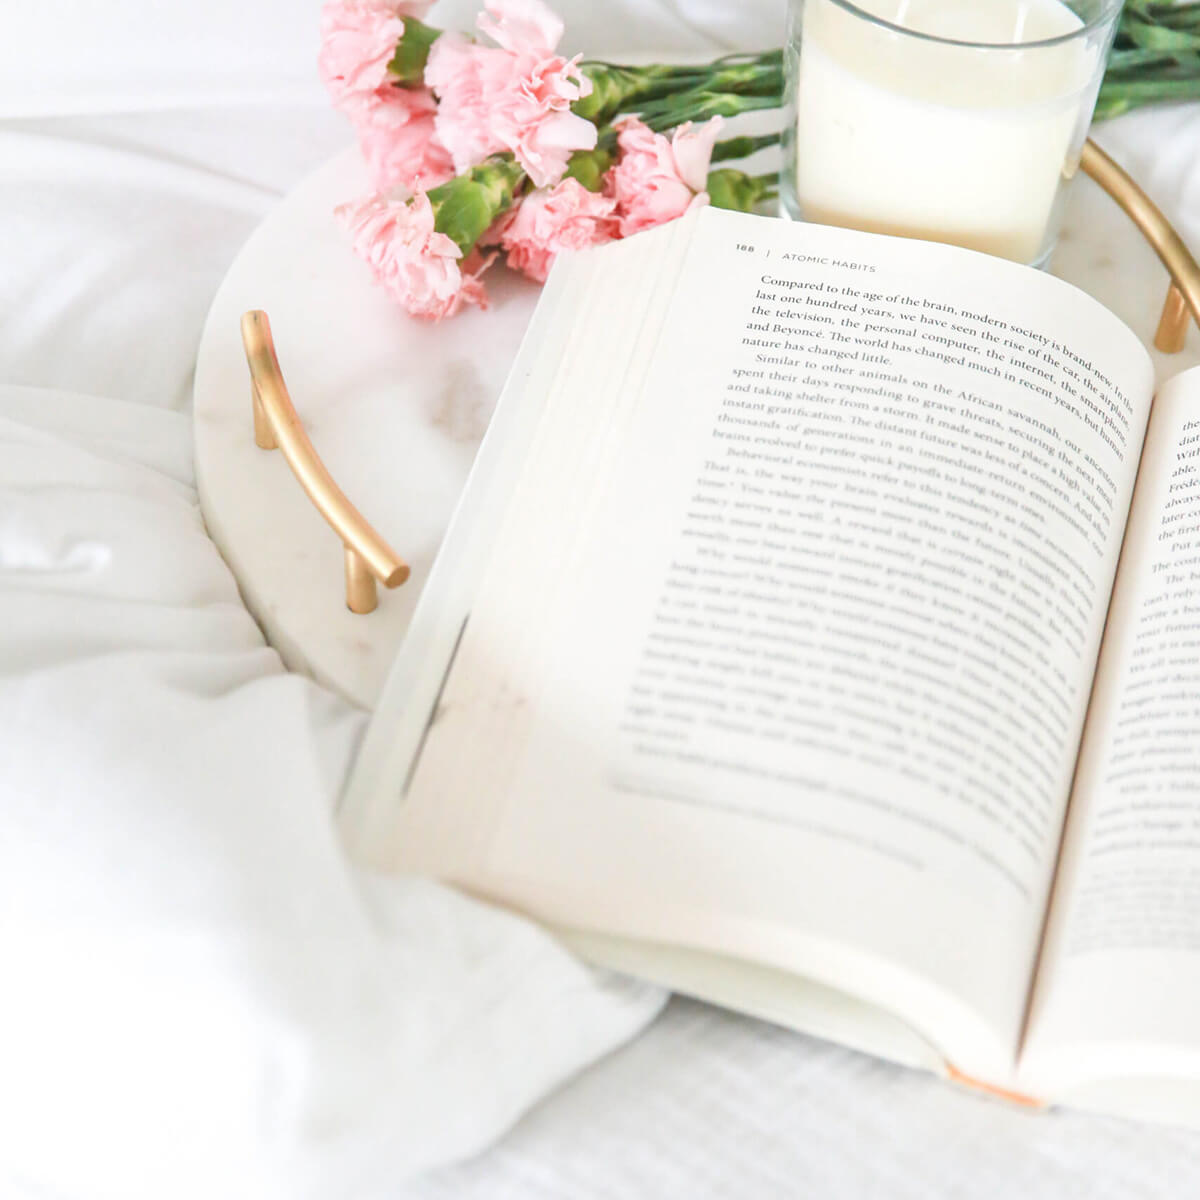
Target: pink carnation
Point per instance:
(515, 96)
(565, 217)
(358, 40)
(416, 265)
(656, 180)
(397, 138)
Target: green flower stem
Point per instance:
(1155, 57)
(617, 89)
(700, 106)
(763, 76)
(1131, 62)
(742, 147)
(1122, 97)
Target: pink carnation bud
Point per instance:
(656, 180)
(565, 217)
(417, 266)
(515, 96)
(397, 138)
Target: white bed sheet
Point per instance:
(123, 198)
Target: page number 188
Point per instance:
(745, 249)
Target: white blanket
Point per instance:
(198, 998)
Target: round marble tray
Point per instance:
(396, 408)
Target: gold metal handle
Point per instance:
(276, 424)
(1183, 294)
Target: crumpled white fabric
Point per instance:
(200, 997)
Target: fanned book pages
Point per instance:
(808, 640)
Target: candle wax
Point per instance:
(927, 136)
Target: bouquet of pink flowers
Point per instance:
(478, 148)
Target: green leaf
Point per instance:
(412, 52)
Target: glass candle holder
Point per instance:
(951, 120)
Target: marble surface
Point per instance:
(396, 407)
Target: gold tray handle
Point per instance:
(1184, 291)
(276, 424)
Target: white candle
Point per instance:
(928, 138)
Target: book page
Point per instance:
(574, 311)
(788, 641)
(1119, 991)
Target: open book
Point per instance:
(808, 640)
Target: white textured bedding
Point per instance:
(196, 997)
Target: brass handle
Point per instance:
(1184, 291)
(276, 424)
